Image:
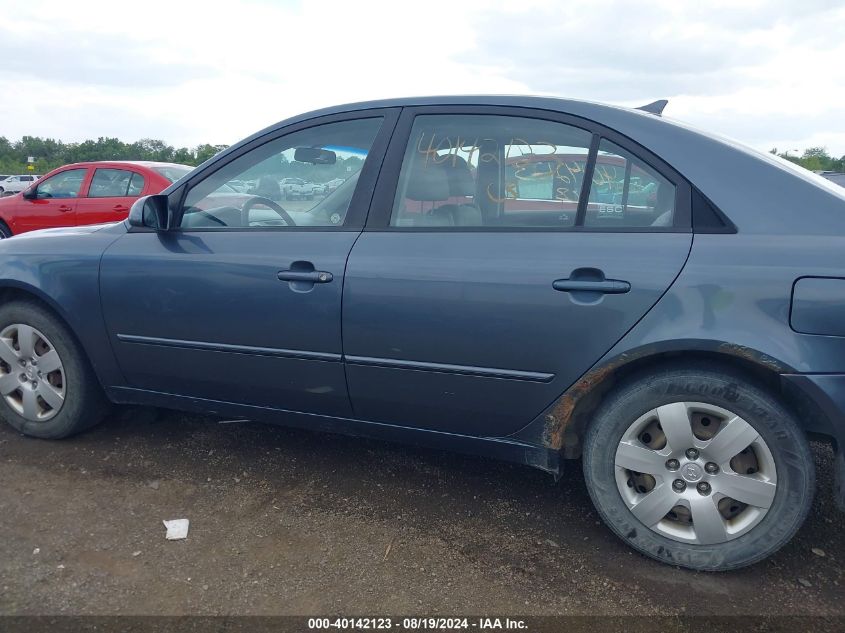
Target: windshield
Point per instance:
(173, 172)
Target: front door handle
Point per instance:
(308, 276)
(607, 287)
(65, 208)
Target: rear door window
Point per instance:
(110, 183)
(627, 193)
(491, 171)
(136, 185)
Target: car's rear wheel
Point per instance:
(699, 467)
(4, 230)
(47, 388)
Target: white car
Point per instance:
(15, 184)
(296, 189)
(331, 185)
(239, 185)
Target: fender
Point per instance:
(64, 274)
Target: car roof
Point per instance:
(139, 163)
(525, 101)
(556, 104)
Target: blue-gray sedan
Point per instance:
(532, 279)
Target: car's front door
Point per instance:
(490, 278)
(242, 302)
(54, 201)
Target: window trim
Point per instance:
(362, 198)
(383, 199)
(587, 181)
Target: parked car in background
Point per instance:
(14, 184)
(834, 176)
(533, 279)
(84, 193)
(296, 189)
(239, 185)
(333, 184)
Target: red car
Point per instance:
(85, 193)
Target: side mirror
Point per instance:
(151, 212)
(315, 156)
(31, 193)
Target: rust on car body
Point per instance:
(559, 417)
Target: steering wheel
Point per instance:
(267, 203)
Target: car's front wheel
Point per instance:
(47, 388)
(699, 467)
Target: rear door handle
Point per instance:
(607, 287)
(309, 276)
(120, 207)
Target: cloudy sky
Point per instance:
(770, 73)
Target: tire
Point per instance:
(82, 405)
(779, 468)
(5, 232)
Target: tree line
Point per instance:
(50, 153)
(814, 159)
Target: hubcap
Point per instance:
(32, 378)
(695, 473)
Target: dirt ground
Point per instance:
(290, 522)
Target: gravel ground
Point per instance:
(290, 522)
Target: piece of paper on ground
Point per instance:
(176, 529)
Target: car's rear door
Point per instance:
(110, 194)
(238, 304)
(481, 287)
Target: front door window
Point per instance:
(65, 184)
(305, 178)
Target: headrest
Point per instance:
(665, 197)
(427, 182)
(460, 177)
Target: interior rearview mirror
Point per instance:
(151, 212)
(315, 156)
